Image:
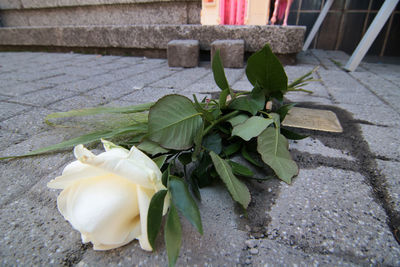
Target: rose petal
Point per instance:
(116, 165)
(103, 207)
(138, 156)
(144, 198)
(69, 177)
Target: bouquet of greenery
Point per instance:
(179, 134)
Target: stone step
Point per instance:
(287, 41)
(23, 13)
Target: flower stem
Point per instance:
(222, 119)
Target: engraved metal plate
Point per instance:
(313, 119)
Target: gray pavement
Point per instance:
(342, 208)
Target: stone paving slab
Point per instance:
(330, 215)
(322, 212)
(383, 141)
(391, 171)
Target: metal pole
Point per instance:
(373, 30)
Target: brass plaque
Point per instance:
(313, 119)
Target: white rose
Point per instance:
(107, 197)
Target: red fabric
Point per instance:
(281, 9)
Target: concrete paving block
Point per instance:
(181, 79)
(233, 75)
(18, 176)
(390, 72)
(90, 83)
(34, 233)
(8, 110)
(317, 89)
(207, 83)
(204, 85)
(129, 61)
(40, 140)
(299, 97)
(314, 146)
(10, 138)
(44, 58)
(331, 60)
(64, 78)
(390, 169)
(183, 53)
(114, 90)
(332, 211)
(231, 52)
(386, 89)
(141, 68)
(32, 74)
(242, 85)
(382, 141)
(346, 90)
(307, 58)
(295, 71)
(4, 97)
(88, 100)
(43, 98)
(221, 244)
(28, 123)
(23, 88)
(383, 115)
(84, 71)
(148, 94)
(272, 253)
(147, 78)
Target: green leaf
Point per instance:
(207, 115)
(201, 172)
(240, 169)
(277, 120)
(224, 130)
(98, 110)
(249, 158)
(250, 103)
(302, 79)
(194, 187)
(232, 148)
(109, 145)
(216, 112)
(151, 147)
(236, 188)
(283, 110)
(251, 127)
(154, 216)
(238, 119)
(197, 142)
(273, 148)
(222, 98)
(165, 175)
(212, 142)
(292, 135)
(264, 68)
(160, 160)
(173, 235)
(185, 158)
(184, 202)
(174, 122)
(219, 73)
(85, 139)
